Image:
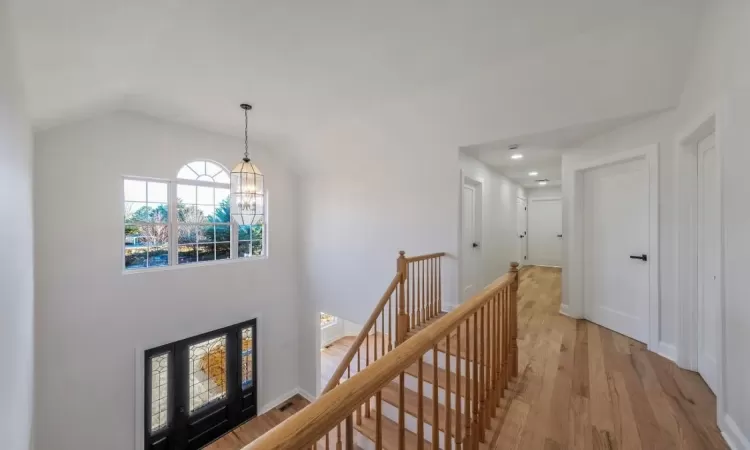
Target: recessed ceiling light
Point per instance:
(533, 174)
(516, 156)
(542, 183)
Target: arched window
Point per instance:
(203, 225)
(196, 217)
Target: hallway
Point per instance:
(585, 387)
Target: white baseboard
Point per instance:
(668, 351)
(284, 397)
(564, 310)
(733, 435)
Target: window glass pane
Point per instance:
(186, 234)
(212, 169)
(223, 251)
(223, 233)
(187, 173)
(257, 232)
(158, 256)
(159, 391)
(205, 178)
(207, 369)
(205, 195)
(243, 250)
(222, 195)
(136, 212)
(205, 233)
(135, 191)
(156, 234)
(187, 254)
(244, 233)
(205, 213)
(158, 212)
(222, 177)
(188, 214)
(186, 194)
(199, 167)
(157, 192)
(136, 258)
(206, 252)
(257, 248)
(247, 357)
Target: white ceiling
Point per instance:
(310, 68)
(542, 152)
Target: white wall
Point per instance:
(718, 82)
(499, 218)
(544, 192)
(16, 266)
(91, 317)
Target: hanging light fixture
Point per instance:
(247, 195)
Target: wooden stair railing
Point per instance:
(477, 346)
(416, 287)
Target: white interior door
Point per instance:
(545, 231)
(522, 230)
(709, 254)
(615, 244)
(470, 235)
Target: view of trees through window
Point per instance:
(199, 216)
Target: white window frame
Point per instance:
(173, 225)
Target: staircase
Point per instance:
(436, 382)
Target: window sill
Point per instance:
(193, 265)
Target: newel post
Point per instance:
(402, 325)
(514, 319)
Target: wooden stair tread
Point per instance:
(454, 351)
(411, 400)
(427, 375)
(389, 433)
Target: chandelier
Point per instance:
(247, 195)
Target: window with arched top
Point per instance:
(186, 221)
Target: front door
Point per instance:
(709, 241)
(616, 243)
(199, 388)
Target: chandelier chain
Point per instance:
(246, 148)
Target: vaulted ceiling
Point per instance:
(475, 71)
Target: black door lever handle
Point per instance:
(642, 257)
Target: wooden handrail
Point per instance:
(362, 335)
(424, 257)
(305, 428)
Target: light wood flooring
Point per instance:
(580, 386)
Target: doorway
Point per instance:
(471, 236)
(545, 231)
(522, 221)
(709, 260)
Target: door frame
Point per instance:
(562, 245)
(573, 246)
(478, 217)
(687, 243)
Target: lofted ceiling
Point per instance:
(312, 68)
